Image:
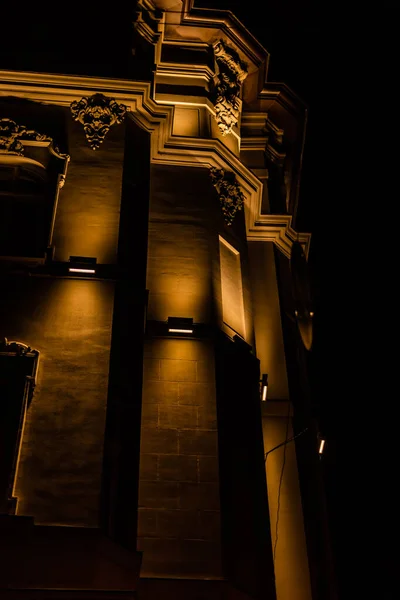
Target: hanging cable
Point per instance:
(285, 442)
(280, 482)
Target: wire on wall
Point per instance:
(280, 481)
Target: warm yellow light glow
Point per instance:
(264, 393)
(321, 446)
(180, 330)
(82, 270)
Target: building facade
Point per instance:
(152, 276)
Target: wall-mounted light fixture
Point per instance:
(82, 264)
(321, 446)
(180, 325)
(264, 387)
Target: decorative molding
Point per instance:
(230, 195)
(166, 148)
(231, 72)
(97, 113)
(11, 135)
(147, 21)
(18, 348)
(21, 349)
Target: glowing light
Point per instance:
(321, 446)
(264, 387)
(180, 325)
(82, 270)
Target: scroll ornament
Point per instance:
(11, 135)
(231, 74)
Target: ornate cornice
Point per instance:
(97, 113)
(11, 135)
(230, 74)
(147, 21)
(230, 195)
(166, 148)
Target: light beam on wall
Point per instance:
(264, 387)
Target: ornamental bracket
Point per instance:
(231, 71)
(230, 195)
(97, 113)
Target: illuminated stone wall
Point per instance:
(267, 319)
(89, 204)
(291, 562)
(179, 512)
(69, 322)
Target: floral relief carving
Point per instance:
(230, 195)
(11, 135)
(231, 72)
(98, 114)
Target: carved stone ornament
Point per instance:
(231, 196)
(97, 114)
(11, 135)
(18, 348)
(231, 72)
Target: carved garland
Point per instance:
(11, 135)
(231, 72)
(97, 114)
(230, 195)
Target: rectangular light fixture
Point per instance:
(82, 264)
(321, 446)
(264, 387)
(180, 325)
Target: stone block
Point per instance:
(178, 370)
(148, 469)
(208, 469)
(147, 522)
(196, 394)
(159, 441)
(151, 369)
(182, 524)
(188, 349)
(163, 305)
(160, 392)
(207, 417)
(178, 468)
(149, 415)
(205, 371)
(210, 524)
(158, 494)
(179, 417)
(199, 496)
(200, 443)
